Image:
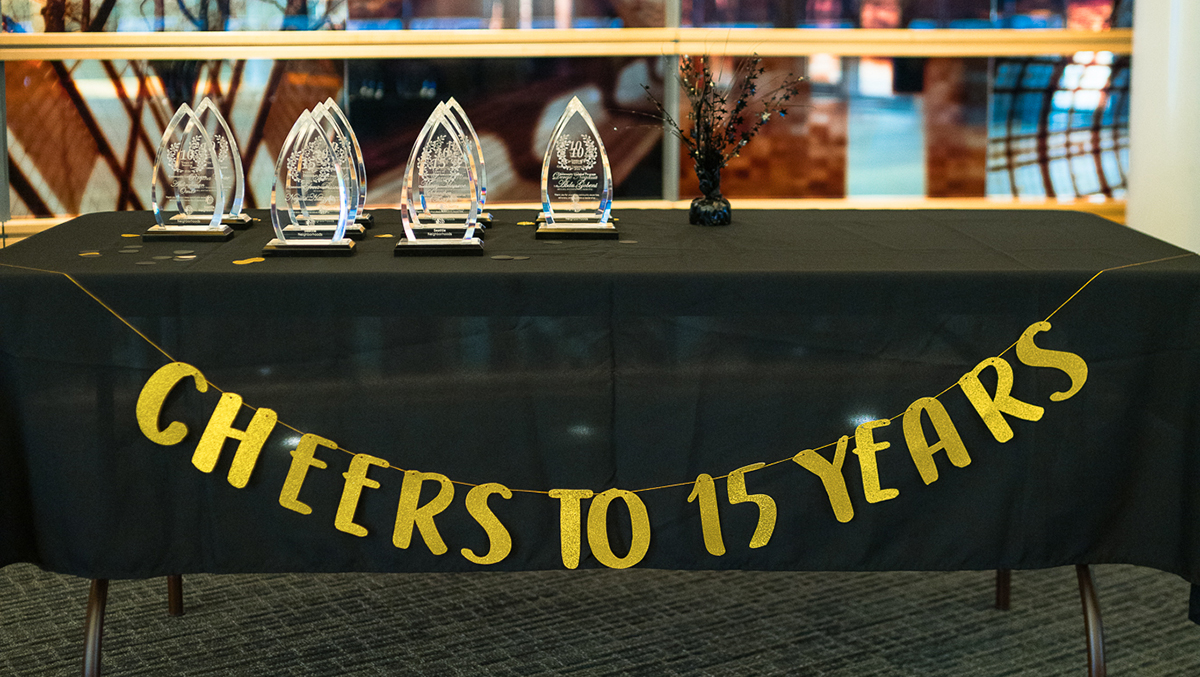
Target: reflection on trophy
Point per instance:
(229, 161)
(476, 149)
(352, 154)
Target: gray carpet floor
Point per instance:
(635, 622)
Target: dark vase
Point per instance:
(712, 209)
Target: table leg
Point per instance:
(175, 595)
(1003, 588)
(94, 627)
(1092, 626)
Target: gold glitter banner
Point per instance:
(992, 408)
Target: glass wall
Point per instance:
(81, 135)
(1059, 126)
(107, 118)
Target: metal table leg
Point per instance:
(175, 595)
(1003, 588)
(1092, 626)
(94, 627)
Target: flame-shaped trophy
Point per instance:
(187, 187)
(576, 180)
(343, 156)
(310, 202)
(439, 200)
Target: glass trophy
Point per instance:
(439, 200)
(355, 153)
(460, 116)
(309, 201)
(576, 180)
(343, 156)
(186, 185)
(229, 159)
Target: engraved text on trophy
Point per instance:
(576, 174)
(442, 172)
(190, 175)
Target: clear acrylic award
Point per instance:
(576, 180)
(460, 116)
(309, 201)
(343, 156)
(355, 153)
(229, 160)
(439, 200)
(186, 185)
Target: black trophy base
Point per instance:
(541, 218)
(365, 220)
(178, 234)
(440, 246)
(277, 247)
(240, 222)
(561, 232)
(354, 231)
(482, 219)
(447, 232)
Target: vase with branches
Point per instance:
(718, 131)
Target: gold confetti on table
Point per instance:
(256, 259)
(525, 223)
(130, 235)
(385, 235)
(89, 253)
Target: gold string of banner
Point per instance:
(536, 491)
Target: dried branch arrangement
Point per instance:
(718, 131)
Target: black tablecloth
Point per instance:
(601, 364)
